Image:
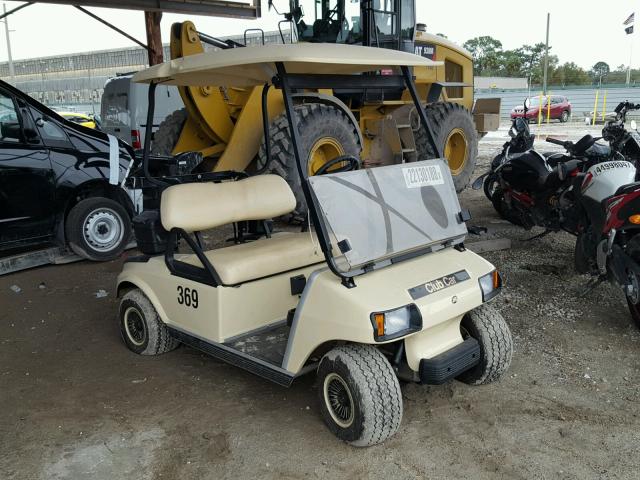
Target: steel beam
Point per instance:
(215, 8)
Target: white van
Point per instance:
(124, 108)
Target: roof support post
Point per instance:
(154, 39)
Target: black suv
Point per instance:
(61, 182)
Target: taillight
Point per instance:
(135, 139)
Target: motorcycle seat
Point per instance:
(628, 188)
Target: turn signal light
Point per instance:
(379, 319)
(635, 219)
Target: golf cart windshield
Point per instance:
(379, 214)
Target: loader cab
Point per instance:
(374, 23)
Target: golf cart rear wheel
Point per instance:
(359, 394)
(487, 326)
(325, 133)
(140, 326)
(98, 229)
(455, 134)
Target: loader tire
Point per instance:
(455, 134)
(168, 133)
(325, 133)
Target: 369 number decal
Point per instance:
(188, 296)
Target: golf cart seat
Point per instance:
(196, 207)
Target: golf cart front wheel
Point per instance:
(489, 328)
(140, 326)
(359, 394)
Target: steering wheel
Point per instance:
(351, 163)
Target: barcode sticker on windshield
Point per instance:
(423, 176)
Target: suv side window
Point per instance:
(10, 128)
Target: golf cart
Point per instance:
(380, 288)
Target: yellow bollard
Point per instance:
(548, 109)
(604, 105)
(595, 108)
(540, 110)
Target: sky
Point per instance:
(582, 31)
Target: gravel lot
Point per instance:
(76, 404)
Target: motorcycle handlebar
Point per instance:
(555, 141)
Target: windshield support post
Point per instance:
(312, 206)
(411, 86)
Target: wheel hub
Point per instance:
(455, 150)
(103, 229)
(338, 399)
(134, 326)
(325, 149)
(633, 289)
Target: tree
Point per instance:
(599, 71)
(569, 74)
(485, 51)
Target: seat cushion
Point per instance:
(249, 261)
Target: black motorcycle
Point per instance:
(624, 144)
(529, 188)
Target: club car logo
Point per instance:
(423, 176)
(438, 284)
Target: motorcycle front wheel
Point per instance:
(489, 185)
(504, 210)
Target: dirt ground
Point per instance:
(76, 404)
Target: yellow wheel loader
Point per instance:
(379, 126)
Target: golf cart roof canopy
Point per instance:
(253, 66)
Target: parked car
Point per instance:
(560, 109)
(124, 108)
(79, 118)
(59, 182)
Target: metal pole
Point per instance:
(630, 60)
(546, 57)
(12, 72)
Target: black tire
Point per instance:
(501, 207)
(564, 117)
(168, 133)
(358, 387)
(487, 326)
(140, 326)
(489, 185)
(633, 250)
(317, 121)
(98, 229)
(443, 118)
(580, 259)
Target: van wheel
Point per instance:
(487, 326)
(98, 229)
(359, 393)
(140, 326)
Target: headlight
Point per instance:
(490, 284)
(396, 323)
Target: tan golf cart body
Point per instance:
(254, 291)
